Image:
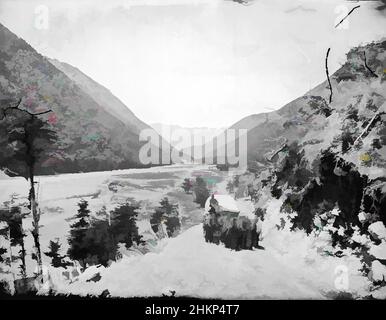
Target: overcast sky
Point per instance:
(196, 63)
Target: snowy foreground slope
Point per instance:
(192, 267)
(290, 267)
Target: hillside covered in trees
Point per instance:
(95, 130)
(326, 178)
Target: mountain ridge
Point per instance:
(101, 95)
(266, 132)
(89, 137)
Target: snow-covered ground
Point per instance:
(191, 267)
(290, 267)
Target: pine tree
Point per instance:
(57, 259)
(4, 286)
(187, 185)
(156, 218)
(201, 191)
(167, 213)
(95, 241)
(3, 260)
(167, 207)
(230, 188)
(173, 224)
(4, 232)
(15, 234)
(101, 244)
(3, 251)
(78, 243)
(123, 225)
(172, 220)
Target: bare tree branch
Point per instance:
(328, 75)
(367, 129)
(23, 110)
(351, 11)
(367, 67)
(18, 103)
(12, 107)
(7, 170)
(36, 114)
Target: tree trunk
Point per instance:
(35, 222)
(22, 257)
(10, 254)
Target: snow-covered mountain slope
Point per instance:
(102, 96)
(353, 124)
(327, 177)
(354, 80)
(268, 131)
(92, 135)
(251, 121)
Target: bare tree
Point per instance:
(328, 75)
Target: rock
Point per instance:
(379, 252)
(378, 271)
(95, 278)
(378, 230)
